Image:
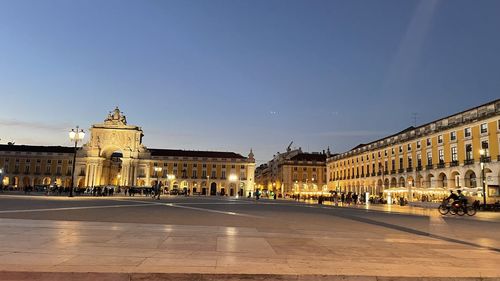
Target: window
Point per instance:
(195, 174)
(454, 156)
(484, 128)
(385, 152)
(418, 144)
(294, 176)
(401, 162)
(214, 166)
(37, 169)
(408, 148)
(453, 136)
(175, 165)
(155, 164)
(410, 164)
(393, 165)
(185, 165)
(440, 139)
(166, 165)
(429, 158)
(468, 151)
(441, 156)
(429, 142)
(47, 170)
(485, 147)
(295, 168)
(27, 169)
(58, 170)
(223, 174)
(419, 160)
(205, 165)
(304, 176)
(214, 174)
(467, 132)
(400, 148)
(392, 151)
(204, 173)
(379, 154)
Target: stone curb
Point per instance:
(90, 276)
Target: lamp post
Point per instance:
(482, 153)
(157, 171)
(1, 180)
(170, 178)
(209, 191)
(233, 178)
(75, 135)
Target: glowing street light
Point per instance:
(482, 159)
(157, 171)
(234, 178)
(75, 135)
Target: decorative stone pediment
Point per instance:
(114, 135)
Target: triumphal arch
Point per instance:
(115, 155)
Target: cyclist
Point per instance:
(462, 200)
(452, 196)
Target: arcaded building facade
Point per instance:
(293, 172)
(115, 155)
(425, 162)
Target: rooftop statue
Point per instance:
(116, 117)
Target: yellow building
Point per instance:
(115, 155)
(423, 163)
(293, 172)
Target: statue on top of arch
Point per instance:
(116, 117)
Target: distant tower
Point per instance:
(251, 155)
(328, 153)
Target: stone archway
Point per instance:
(470, 179)
(213, 188)
(442, 180)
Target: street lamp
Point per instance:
(170, 178)
(233, 178)
(75, 135)
(482, 152)
(157, 171)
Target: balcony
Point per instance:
(419, 168)
(410, 169)
(362, 175)
(454, 163)
(401, 170)
(429, 167)
(379, 173)
(440, 165)
(357, 176)
(48, 173)
(373, 174)
(469, 161)
(393, 172)
(386, 172)
(486, 159)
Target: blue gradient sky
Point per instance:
(231, 75)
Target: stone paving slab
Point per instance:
(58, 276)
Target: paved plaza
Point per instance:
(216, 235)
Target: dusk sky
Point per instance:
(234, 75)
